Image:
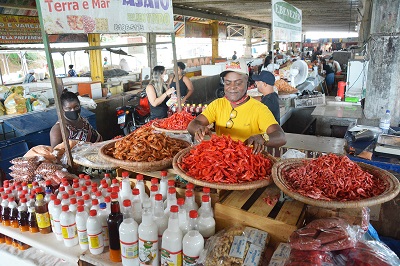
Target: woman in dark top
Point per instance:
(185, 85)
(158, 93)
(77, 126)
(330, 75)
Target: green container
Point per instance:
(352, 99)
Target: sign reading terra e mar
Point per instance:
(286, 22)
(107, 16)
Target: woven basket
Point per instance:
(184, 131)
(241, 186)
(135, 166)
(391, 182)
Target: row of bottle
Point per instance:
(14, 242)
(193, 109)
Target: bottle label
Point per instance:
(43, 220)
(238, 247)
(94, 241)
(148, 252)
(256, 237)
(83, 237)
(105, 233)
(189, 261)
(57, 227)
(69, 231)
(129, 250)
(171, 258)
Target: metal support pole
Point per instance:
(178, 88)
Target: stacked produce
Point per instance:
(332, 177)
(223, 160)
(177, 121)
(144, 145)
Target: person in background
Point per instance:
(239, 115)
(158, 93)
(30, 77)
(105, 61)
(265, 84)
(268, 66)
(185, 85)
(329, 75)
(335, 66)
(71, 71)
(78, 127)
(315, 55)
(234, 56)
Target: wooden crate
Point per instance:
(249, 207)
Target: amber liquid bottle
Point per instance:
(5, 211)
(42, 215)
(33, 227)
(23, 219)
(114, 220)
(13, 213)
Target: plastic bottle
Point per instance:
(154, 181)
(153, 193)
(190, 186)
(23, 219)
(114, 183)
(126, 191)
(75, 184)
(88, 201)
(67, 186)
(193, 242)
(95, 234)
(79, 194)
(65, 199)
(42, 215)
(148, 240)
(81, 179)
(94, 191)
(128, 236)
(107, 200)
(384, 123)
(71, 193)
(182, 216)
(95, 205)
(104, 188)
(49, 186)
(107, 178)
(84, 190)
(12, 205)
(206, 206)
(50, 206)
(5, 211)
(56, 212)
(99, 196)
(140, 185)
(103, 216)
(73, 206)
(127, 210)
(207, 191)
(137, 206)
(33, 227)
(206, 225)
(159, 218)
(199, 109)
(171, 199)
(190, 203)
(163, 188)
(114, 220)
(81, 220)
(68, 227)
(171, 249)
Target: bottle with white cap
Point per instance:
(205, 206)
(128, 237)
(148, 240)
(95, 234)
(81, 220)
(68, 227)
(159, 218)
(56, 219)
(171, 249)
(102, 214)
(140, 185)
(193, 242)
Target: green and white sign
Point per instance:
(286, 22)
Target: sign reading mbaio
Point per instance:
(107, 16)
(286, 22)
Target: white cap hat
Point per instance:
(238, 66)
(31, 71)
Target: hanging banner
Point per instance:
(107, 16)
(286, 22)
(197, 30)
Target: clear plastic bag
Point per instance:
(309, 257)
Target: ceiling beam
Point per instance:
(213, 16)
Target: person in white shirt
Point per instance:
(335, 66)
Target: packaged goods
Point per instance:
(237, 245)
(148, 240)
(95, 234)
(309, 257)
(171, 246)
(193, 242)
(128, 235)
(281, 255)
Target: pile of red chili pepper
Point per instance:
(333, 178)
(177, 121)
(223, 160)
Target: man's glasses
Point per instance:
(229, 123)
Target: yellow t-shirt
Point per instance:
(252, 118)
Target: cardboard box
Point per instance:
(91, 88)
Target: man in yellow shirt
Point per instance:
(239, 115)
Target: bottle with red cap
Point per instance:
(88, 201)
(68, 227)
(206, 222)
(5, 211)
(171, 184)
(47, 195)
(71, 193)
(190, 203)
(78, 194)
(154, 181)
(61, 192)
(140, 185)
(50, 207)
(65, 199)
(104, 188)
(190, 186)
(136, 206)
(163, 188)
(81, 179)
(107, 178)
(13, 206)
(23, 202)
(81, 218)
(153, 193)
(171, 249)
(94, 191)
(205, 206)
(95, 205)
(84, 190)
(73, 205)
(171, 200)
(99, 196)
(66, 185)
(159, 217)
(49, 186)
(193, 242)
(23, 219)
(33, 227)
(107, 200)
(182, 216)
(39, 190)
(114, 221)
(42, 215)
(128, 236)
(126, 190)
(95, 234)
(103, 214)
(75, 186)
(148, 240)
(127, 210)
(114, 183)
(56, 212)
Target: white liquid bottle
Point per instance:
(171, 249)
(50, 206)
(153, 193)
(56, 219)
(154, 182)
(65, 199)
(190, 203)
(68, 227)
(140, 185)
(159, 218)
(205, 206)
(95, 234)
(73, 205)
(171, 184)
(137, 206)
(107, 178)
(126, 209)
(182, 216)
(128, 238)
(206, 225)
(171, 200)
(102, 214)
(190, 186)
(95, 205)
(81, 179)
(81, 220)
(163, 188)
(193, 242)
(126, 191)
(148, 240)
(88, 201)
